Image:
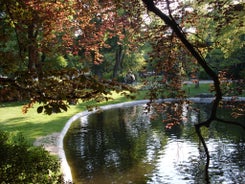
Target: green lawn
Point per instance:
(33, 125)
(192, 91)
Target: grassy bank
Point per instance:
(33, 125)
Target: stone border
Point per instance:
(65, 168)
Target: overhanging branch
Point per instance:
(230, 122)
(201, 61)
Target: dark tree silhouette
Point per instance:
(169, 20)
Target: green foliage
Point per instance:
(242, 73)
(55, 62)
(22, 163)
(237, 63)
(74, 62)
(215, 58)
(219, 24)
(234, 64)
(218, 32)
(10, 60)
(135, 61)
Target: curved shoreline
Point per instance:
(59, 149)
(65, 168)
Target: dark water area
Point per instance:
(123, 145)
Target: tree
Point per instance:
(180, 34)
(194, 29)
(33, 31)
(42, 28)
(34, 34)
(220, 31)
(121, 58)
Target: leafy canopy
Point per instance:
(40, 38)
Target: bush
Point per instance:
(21, 163)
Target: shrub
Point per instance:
(23, 163)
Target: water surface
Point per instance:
(123, 145)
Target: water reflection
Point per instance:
(124, 145)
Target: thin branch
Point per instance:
(169, 9)
(230, 122)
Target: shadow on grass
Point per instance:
(12, 104)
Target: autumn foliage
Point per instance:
(181, 34)
(44, 28)
(34, 30)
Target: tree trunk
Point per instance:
(201, 61)
(118, 61)
(33, 64)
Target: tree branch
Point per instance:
(230, 122)
(198, 131)
(177, 30)
(172, 23)
(201, 61)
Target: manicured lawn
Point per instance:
(192, 91)
(33, 125)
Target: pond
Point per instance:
(124, 145)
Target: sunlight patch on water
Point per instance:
(175, 153)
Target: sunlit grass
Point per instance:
(33, 125)
(191, 90)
